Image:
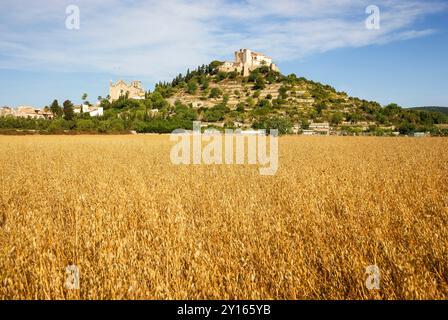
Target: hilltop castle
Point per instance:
(121, 88)
(247, 61)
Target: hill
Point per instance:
(265, 99)
(227, 99)
(443, 110)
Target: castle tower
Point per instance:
(247, 56)
(247, 62)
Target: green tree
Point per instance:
(225, 99)
(305, 124)
(213, 115)
(158, 102)
(69, 113)
(56, 126)
(117, 125)
(103, 126)
(406, 127)
(283, 92)
(56, 109)
(283, 125)
(215, 93)
(320, 107)
(240, 107)
(204, 84)
(105, 104)
(265, 103)
(232, 75)
(260, 83)
(221, 76)
(250, 102)
(213, 66)
(336, 118)
(192, 86)
(85, 125)
(185, 113)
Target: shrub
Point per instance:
(117, 125)
(240, 107)
(215, 93)
(85, 125)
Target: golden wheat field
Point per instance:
(139, 227)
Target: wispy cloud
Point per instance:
(156, 39)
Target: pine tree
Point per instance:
(56, 109)
(69, 113)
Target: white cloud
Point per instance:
(155, 40)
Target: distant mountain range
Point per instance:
(443, 110)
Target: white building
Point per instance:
(97, 112)
(93, 111)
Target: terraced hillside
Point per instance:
(231, 100)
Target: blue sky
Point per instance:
(405, 61)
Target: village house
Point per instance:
(121, 89)
(247, 61)
(31, 112)
(26, 112)
(6, 111)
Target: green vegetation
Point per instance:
(265, 99)
(56, 109)
(69, 113)
(281, 124)
(433, 109)
(215, 93)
